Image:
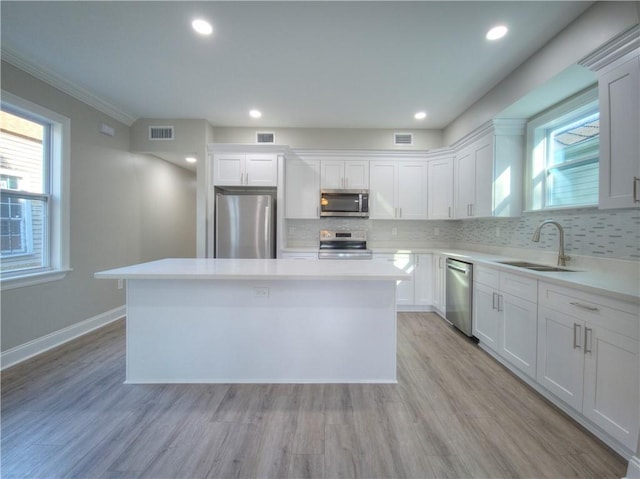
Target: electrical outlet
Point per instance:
(436, 231)
(394, 231)
(260, 292)
(291, 230)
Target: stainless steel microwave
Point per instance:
(344, 203)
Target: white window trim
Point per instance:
(580, 103)
(59, 240)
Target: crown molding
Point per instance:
(17, 60)
(619, 47)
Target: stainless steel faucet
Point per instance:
(562, 258)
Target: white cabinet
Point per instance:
(505, 316)
(440, 188)
(488, 172)
(398, 190)
(302, 189)
(345, 174)
(439, 284)
(239, 169)
(588, 357)
(619, 92)
(404, 261)
(423, 279)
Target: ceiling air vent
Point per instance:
(265, 137)
(403, 139)
(160, 133)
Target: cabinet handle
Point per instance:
(635, 189)
(500, 303)
(588, 338)
(493, 305)
(449, 213)
(471, 209)
(400, 209)
(576, 335)
(395, 212)
(246, 178)
(584, 306)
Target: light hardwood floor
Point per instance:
(455, 413)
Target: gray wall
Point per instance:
(334, 138)
(125, 208)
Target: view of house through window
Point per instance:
(24, 192)
(565, 143)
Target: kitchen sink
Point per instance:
(534, 266)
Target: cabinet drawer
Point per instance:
(611, 314)
(487, 276)
(519, 286)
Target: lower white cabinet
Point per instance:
(588, 357)
(439, 284)
(423, 279)
(505, 316)
(404, 261)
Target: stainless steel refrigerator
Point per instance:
(245, 226)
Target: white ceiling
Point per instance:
(304, 64)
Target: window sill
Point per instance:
(562, 208)
(33, 278)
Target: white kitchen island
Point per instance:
(260, 321)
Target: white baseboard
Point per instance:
(633, 471)
(28, 350)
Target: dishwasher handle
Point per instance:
(456, 268)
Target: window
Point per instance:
(33, 193)
(564, 154)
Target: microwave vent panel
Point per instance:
(161, 133)
(265, 137)
(403, 139)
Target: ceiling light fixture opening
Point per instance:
(191, 159)
(255, 113)
(202, 26)
(497, 32)
(421, 115)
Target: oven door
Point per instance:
(344, 203)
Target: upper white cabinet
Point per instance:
(240, 169)
(302, 189)
(617, 65)
(398, 189)
(345, 174)
(440, 188)
(488, 172)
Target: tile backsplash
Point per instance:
(588, 232)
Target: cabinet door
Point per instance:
(261, 170)
(482, 204)
(332, 176)
(302, 189)
(560, 355)
(382, 194)
(228, 169)
(611, 384)
(518, 332)
(465, 183)
(412, 190)
(356, 174)
(440, 189)
(404, 289)
(423, 279)
(486, 317)
(438, 283)
(619, 92)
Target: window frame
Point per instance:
(536, 196)
(57, 247)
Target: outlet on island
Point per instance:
(394, 231)
(260, 292)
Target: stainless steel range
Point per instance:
(343, 245)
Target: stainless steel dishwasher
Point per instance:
(459, 292)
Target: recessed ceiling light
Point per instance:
(421, 115)
(191, 159)
(497, 32)
(202, 26)
(255, 114)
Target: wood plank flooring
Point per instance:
(455, 413)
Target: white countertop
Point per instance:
(612, 278)
(257, 269)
